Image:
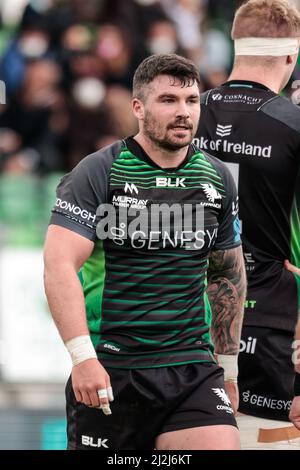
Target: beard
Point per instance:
(154, 131)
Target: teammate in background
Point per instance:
(256, 132)
(139, 328)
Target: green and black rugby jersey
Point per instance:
(153, 229)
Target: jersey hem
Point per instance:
(156, 366)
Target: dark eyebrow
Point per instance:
(170, 95)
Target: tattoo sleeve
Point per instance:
(226, 292)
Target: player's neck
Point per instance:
(258, 75)
(162, 157)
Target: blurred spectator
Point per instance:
(117, 54)
(217, 58)
(31, 41)
(118, 102)
(76, 55)
(220, 13)
(188, 16)
(161, 38)
(37, 115)
(12, 10)
(88, 119)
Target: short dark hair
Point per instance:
(164, 64)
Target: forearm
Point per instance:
(226, 291)
(90, 381)
(66, 300)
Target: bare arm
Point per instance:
(226, 291)
(64, 254)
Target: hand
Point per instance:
(89, 380)
(291, 267)
(294, 415)
(232, 391)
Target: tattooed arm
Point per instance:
(226, 292)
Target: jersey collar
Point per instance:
(137, 150)
(245, 84)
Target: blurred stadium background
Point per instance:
(65, 77)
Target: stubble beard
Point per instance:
(153, 133)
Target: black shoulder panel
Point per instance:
(283, 110)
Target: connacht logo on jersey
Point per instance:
(217, 97)
(170, 182)
(130, 187)
(210, 192)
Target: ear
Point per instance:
(138, 109)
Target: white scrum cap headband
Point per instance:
(266, 46)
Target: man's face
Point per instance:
(170, 112)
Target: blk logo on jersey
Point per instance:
(170, 182)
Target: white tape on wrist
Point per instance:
(230, 366)
(81, 348)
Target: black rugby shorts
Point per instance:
(147, 403)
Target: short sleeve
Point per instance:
(81, 192)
